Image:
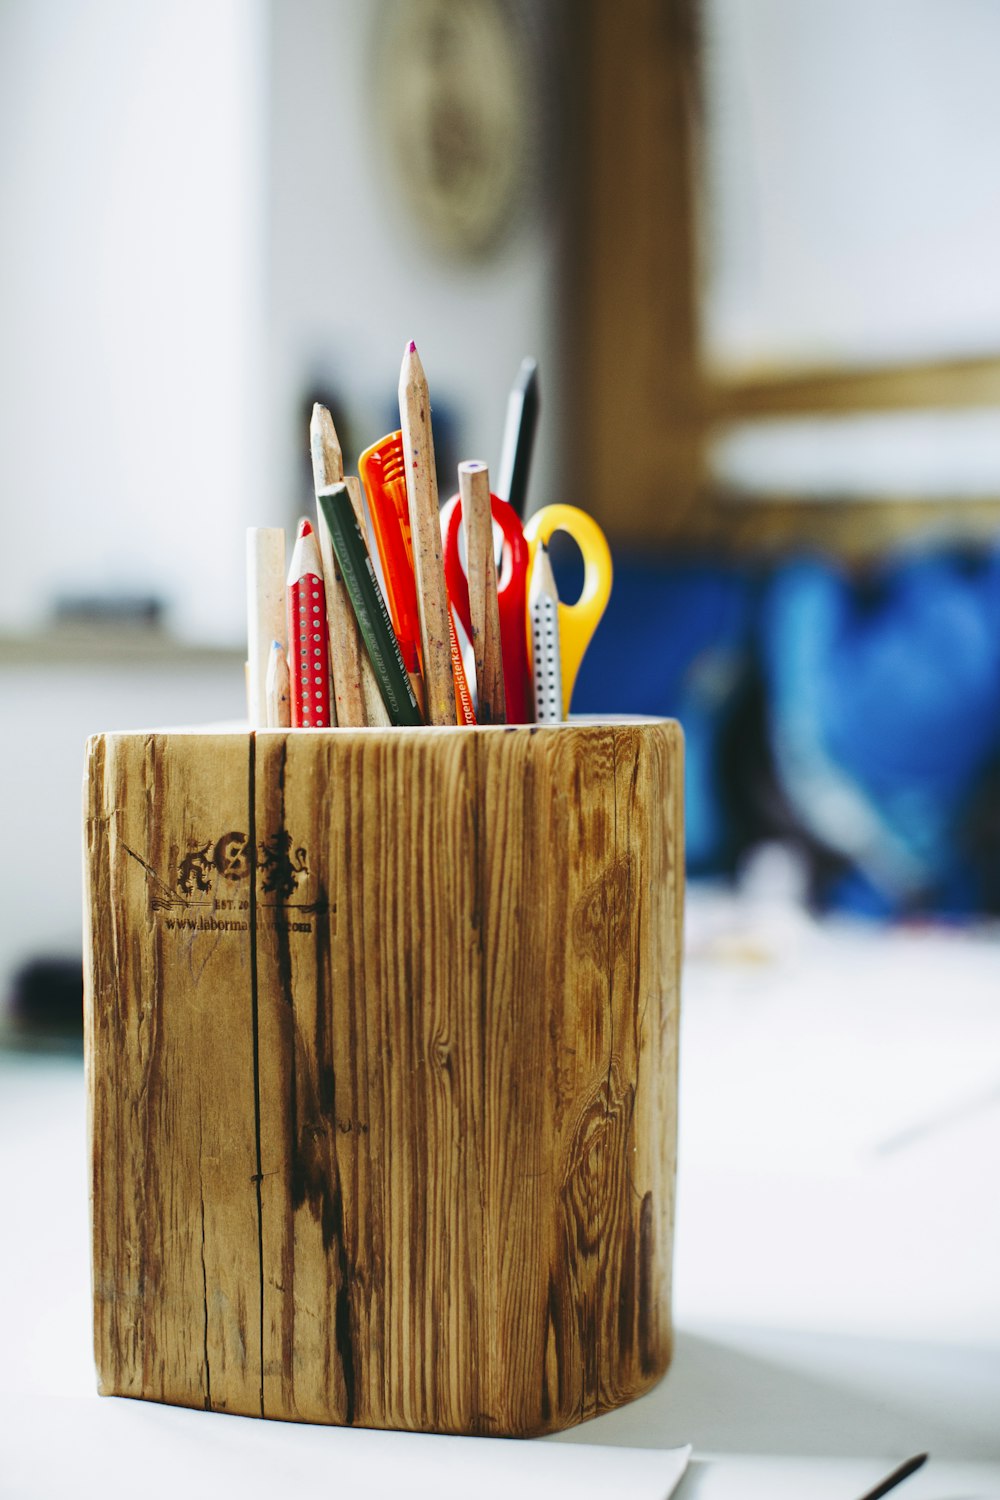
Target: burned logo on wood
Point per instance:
(235, 858)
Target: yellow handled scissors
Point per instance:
(577, 622)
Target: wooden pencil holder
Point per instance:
(382, 1056)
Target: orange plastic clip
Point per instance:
(383, 474)
(384, 478)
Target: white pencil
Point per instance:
(543, 613)
(425, 531)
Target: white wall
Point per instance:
(131, 302)
(196, 228)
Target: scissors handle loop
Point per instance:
(511, 598)
(578, 621)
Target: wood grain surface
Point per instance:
(170, 1055)
(397, 1149)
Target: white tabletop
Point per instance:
(838, 1242)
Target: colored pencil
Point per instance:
(376, 713)
(308, 665)
(425, 531)
(324, 449)
(356, 569)
(279, 701)
(484, 610)
(355, 691)
(543, 613)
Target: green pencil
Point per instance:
(368, 604)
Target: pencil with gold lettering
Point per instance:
(356, 569)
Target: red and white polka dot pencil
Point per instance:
(308, 650)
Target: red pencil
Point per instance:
(308, 649)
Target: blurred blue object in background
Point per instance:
(675, 640)
(883, 703)
(857, 716)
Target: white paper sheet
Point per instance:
(116, 1449)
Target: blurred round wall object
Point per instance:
(458, 103)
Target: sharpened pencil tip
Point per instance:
(305, 528)
(411, 348)
(324, 447)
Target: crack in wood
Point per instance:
(258, 1176)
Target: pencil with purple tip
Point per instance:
(425, 532)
